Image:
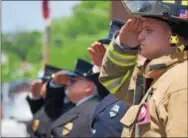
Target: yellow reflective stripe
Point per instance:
(184, 3)
(107, 84)
(123, 60)
(114, 85)
(169, 1)
(119, 63)
(114, 90)
(123, 56)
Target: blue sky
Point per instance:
(27, 15)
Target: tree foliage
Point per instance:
(70, 38)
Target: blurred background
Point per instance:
(53, 32)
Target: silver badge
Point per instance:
(114, 111)
(115, 108)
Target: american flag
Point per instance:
(45, 9)
(183, 14)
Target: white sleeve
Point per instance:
(96, 69)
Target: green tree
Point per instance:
(89, 22)
(70, 38)
(21, 43)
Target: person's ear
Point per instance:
(89, 87)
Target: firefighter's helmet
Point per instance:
(174, 12)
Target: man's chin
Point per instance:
(145, 54)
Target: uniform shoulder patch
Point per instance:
(114, 111)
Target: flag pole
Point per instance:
(47, 31)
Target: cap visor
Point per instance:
(105, 41)
(73, 74)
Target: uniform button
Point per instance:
(93, 131)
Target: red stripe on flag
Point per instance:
(45, 9)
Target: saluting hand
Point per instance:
(129, 32)
(97, 52)
(36, 88)
(61, 78)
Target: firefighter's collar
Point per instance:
(157, 67)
